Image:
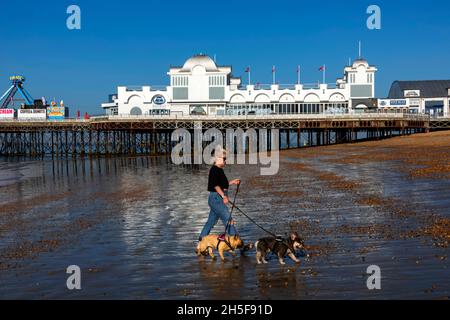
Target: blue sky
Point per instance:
(134, 42)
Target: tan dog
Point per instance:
(210, 243)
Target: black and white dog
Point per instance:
(280, 247)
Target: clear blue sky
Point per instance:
(134, 42)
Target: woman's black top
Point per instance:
(216, 178)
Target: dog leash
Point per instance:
(278, 238)
(253, 221)
(228, 226)
(223, 237)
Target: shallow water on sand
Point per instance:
(131, 225)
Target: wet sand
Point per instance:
(131, 225)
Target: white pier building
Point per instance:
(201, 87)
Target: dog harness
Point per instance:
(222, 238)
(286, 243)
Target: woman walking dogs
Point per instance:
(218, 196)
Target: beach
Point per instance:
(130, 224)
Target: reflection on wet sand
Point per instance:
(223, 280)
(281, 283)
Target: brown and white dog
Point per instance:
(280, 247)
(211, 243)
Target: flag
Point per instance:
(298, 69)
(247, 70)
(273, 69)
(323, 69)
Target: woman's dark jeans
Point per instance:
(218, 211)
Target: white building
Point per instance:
(431, 97)
(200, 86)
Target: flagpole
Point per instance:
(324, 73)
(273, 74)
(359, 49)
(298, 74)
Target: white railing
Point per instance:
(44, 120)
(141, 87)
(267, 117)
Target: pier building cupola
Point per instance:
(199, 79)
(199, 63)
(360, 77)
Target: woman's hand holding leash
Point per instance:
(225, 200)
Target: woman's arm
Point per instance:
(222, 194)
(235, 181)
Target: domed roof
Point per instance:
(202, 60)
(359, 61)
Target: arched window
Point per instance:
(135, 111)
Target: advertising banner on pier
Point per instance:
(56, 113)
(31, 114)
(6, 113)
(383, 103)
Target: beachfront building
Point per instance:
(430, 97)
(201, 87)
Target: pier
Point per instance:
(151, 135)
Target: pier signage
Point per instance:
(56, 113)
(398, 102)
(159, 100)
(32, 114)
(6, 113)
(414, 102)
(382, 103)
(412, 93)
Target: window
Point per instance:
(180, 81)
(180, 93)
(216, 81)
(216, 93)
